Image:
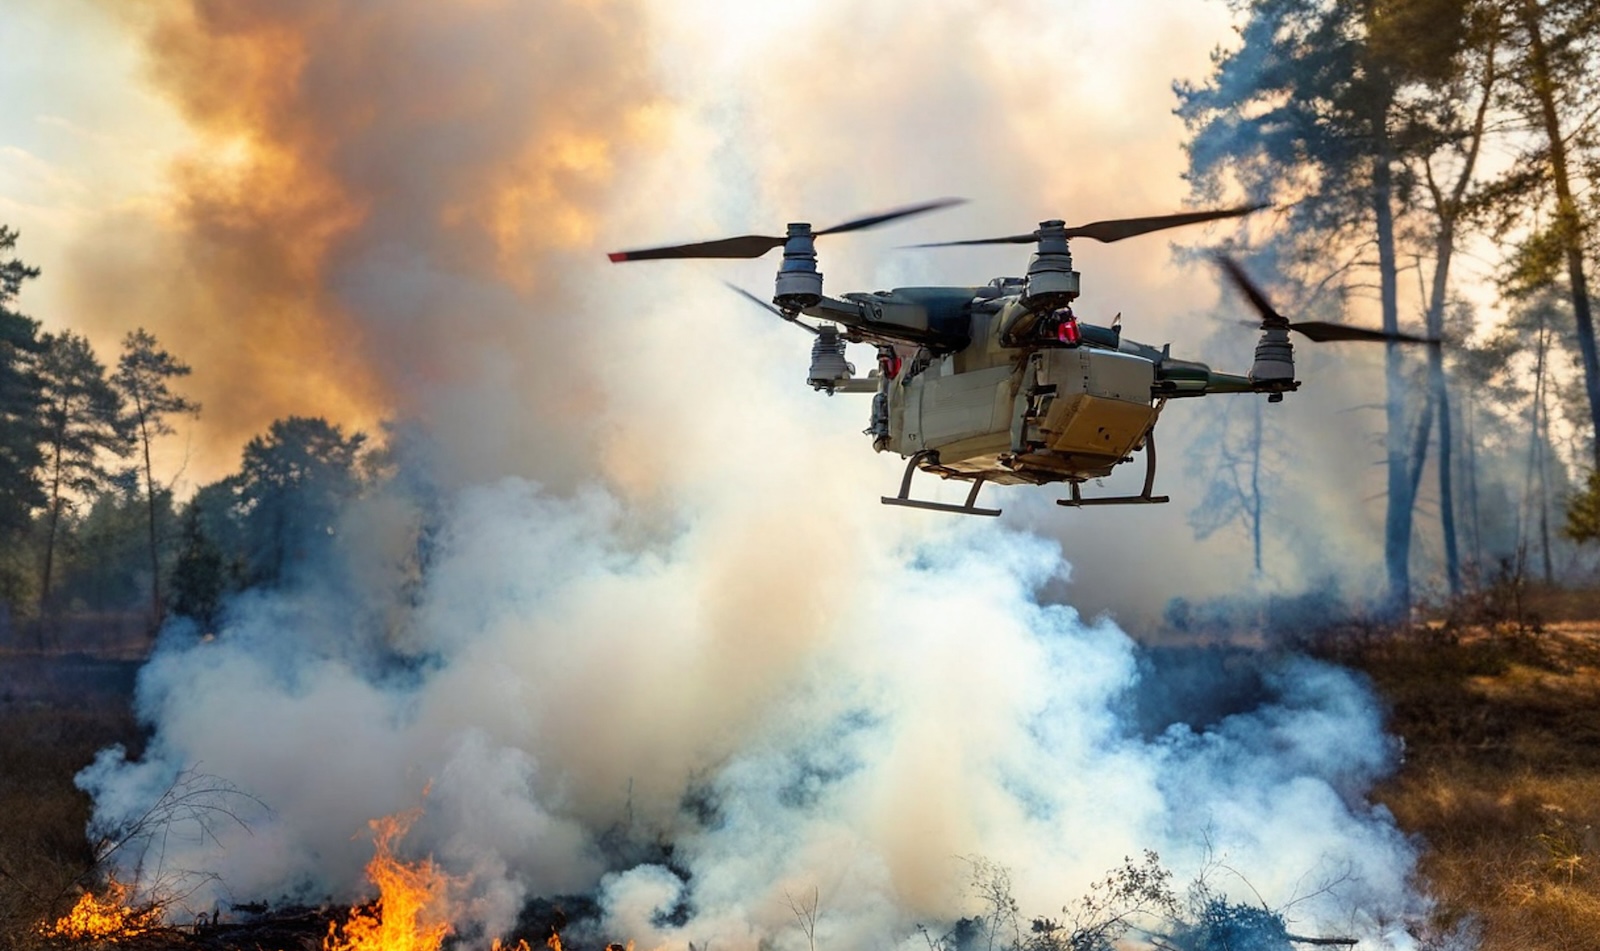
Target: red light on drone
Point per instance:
(1068, 333)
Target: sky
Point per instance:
(653, 573)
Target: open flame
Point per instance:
(107, 918)
(411, 913)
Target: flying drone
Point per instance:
(1001, 383)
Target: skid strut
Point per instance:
(904, 498)
(1143, 498)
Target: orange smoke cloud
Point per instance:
(377, 197)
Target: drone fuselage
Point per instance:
(990, 393)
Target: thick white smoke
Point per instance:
(665, 647)
(574, 701)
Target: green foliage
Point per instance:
(1583, 511)
(143, 377)
(278, 515)
(104, 566)
(83, 424)
(20, 489)
(1538, 261)
(1419, 39)
(203, 574)
(82, 417)
(292, 486)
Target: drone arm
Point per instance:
(1180, 378)
(1218, 383)
(883, 324)
(1230, 383)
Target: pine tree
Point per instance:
(143, 377)
(83, 425)
(20, 434)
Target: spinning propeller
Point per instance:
(755, 245)
(1105, 231)
(767, 306)
(1319, 331)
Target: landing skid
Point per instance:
(904, 498)
(1143, 498)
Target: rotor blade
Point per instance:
(1247, 287)
(748, 246)
(766, 305)
(790, 318)
(755, 245)
(1322, 331)
(1028, 238)
(1113, 230)
(1117, 229)
(872, 221)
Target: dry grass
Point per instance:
(55, 713)
(1501, 779)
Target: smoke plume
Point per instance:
(664, 648)
(381, 208)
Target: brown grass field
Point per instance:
(1501, 776)
(1500, 783)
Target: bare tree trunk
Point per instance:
(1448, 207)
(1397, 523)
(1447, 506)
(1438, 392)
(1569, 223)
(1473, 508)
(1531, 497)
(1541, 432)
(150, 499)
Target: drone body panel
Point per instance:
(942, 405)
(1096, 403)
(1034, 417)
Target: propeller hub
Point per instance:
(829, 368)
(1052, 283)
(1274, 357)
(799, 283)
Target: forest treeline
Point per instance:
(89, 530)
(1393, 139)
